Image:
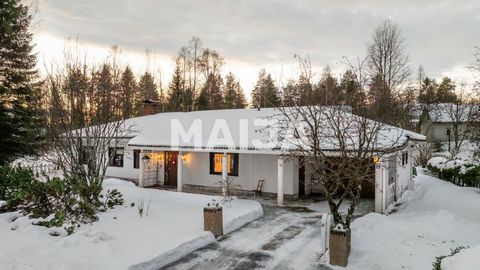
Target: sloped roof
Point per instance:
(450, 112)
(247, 130)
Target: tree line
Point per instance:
(377, 86)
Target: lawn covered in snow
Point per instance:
(121, 238)
(429, 221)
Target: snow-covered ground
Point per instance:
(466, 259)
(121, 239)
(429, 221)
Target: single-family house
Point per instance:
(191, 151)
(440, 121)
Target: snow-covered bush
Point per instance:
(14, 183)
(438, 260)
(425, 154)
(57, 202)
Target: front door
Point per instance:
(171, 159)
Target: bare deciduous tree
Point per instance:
(386, 56)
(80, 131)
(339, 147)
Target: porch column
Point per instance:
(224, 173)
(141, 168)
(280, 168)
(180, 172)
(224, 166)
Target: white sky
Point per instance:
(439, 34)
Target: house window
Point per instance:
(404, 158)
(136, 159)
(115, 156)
(216, 164)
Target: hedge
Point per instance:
(471, 178)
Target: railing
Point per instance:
(38, 169)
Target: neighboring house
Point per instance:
(441, 122)
(151, 156)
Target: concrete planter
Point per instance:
(213, 220)
(340, 242)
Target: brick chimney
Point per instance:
(150, 107)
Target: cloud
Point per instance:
(440, 35)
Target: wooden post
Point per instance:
(213, 220)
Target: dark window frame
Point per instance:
(233, 170)
(114, 160)
(404, 158)
(136, 158)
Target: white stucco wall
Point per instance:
(437, 132)
(127, 171)
(403, 173)
(196, 171)
(251, 168)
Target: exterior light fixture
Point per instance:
(146, 159)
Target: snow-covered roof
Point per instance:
(241, 130)
(450, 112)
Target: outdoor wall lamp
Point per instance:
(146, 159)
(184, 157)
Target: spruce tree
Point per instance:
(290, 94)
(234, 98)
(147, 90)
(265, 93)
(351, 90)
(20, 121)
(175, 91)
(240, 101)
(104, 94)
(211, 96)
(129, 93)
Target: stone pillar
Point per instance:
(180, 172)
(280, 169)
(213, 219)
(141, 168)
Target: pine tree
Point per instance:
(175, 91)
(265, 94)
(129, 93)
(427, 91)
(20, 121)
(446, 91)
